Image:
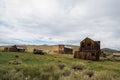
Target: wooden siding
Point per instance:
(89, 49)
(61, 49)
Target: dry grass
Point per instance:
(55, 67)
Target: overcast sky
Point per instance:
(60, 21)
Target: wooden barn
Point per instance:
(89, 50)
(15, 48)
(62, 49)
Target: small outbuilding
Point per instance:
(117, 54)
(62, 49)
(89, 50)
(15, 48)
(38, 51)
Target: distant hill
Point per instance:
(109, 50)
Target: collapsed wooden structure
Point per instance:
(38, 51)
(62, 49)
(117, 54)
(89, 50)
(15, 48)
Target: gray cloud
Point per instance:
(56, 21)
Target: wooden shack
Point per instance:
(117, 54)
(89, 49)
(62, 49)
(38, 51)
(15, 48)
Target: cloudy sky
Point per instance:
(60, 21)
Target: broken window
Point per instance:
(93, 54)
(83, 45)
(89, 44)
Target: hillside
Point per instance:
(28, 66)
(109, 50)
(55, 67)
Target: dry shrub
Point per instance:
(50, 68)
(12, 75)
(104, 75)
(89, 73)
(78, 66)
(61, 66)
(66, 72)
(75, 76)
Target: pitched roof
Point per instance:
(20, 46)
(68, 47)
(87, 38)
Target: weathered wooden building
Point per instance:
(15, 48)
(89, 49)
(62, 49)
(117, 54)
(38, 51)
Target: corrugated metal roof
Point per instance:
(68, 47)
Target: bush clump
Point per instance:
(78, 66)
(104, 75)
(61, 66)
(89, 73)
